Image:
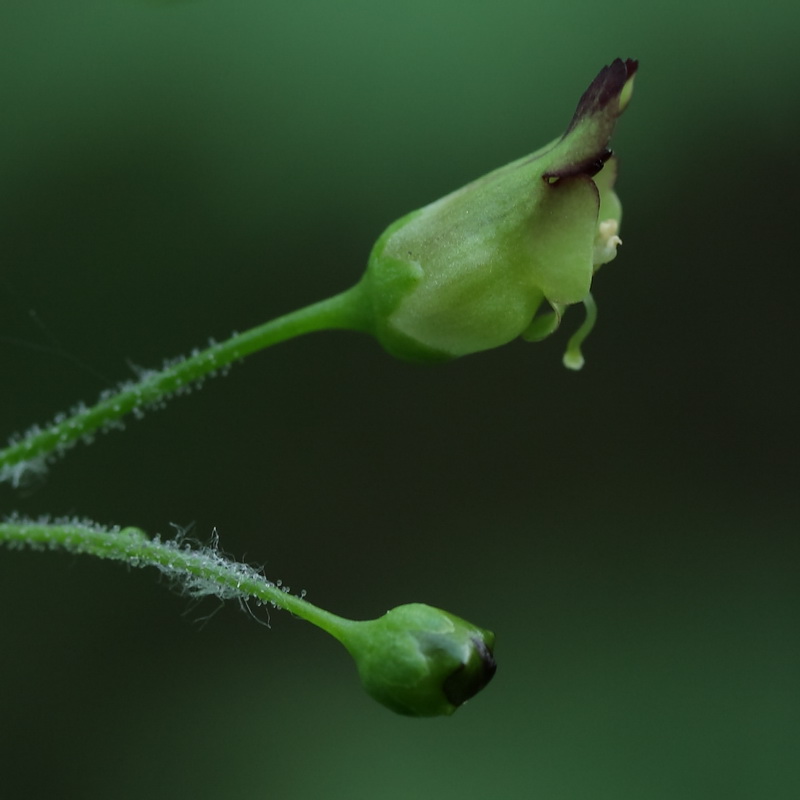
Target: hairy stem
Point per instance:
(343, 311)
(415, 659)
(200, 571)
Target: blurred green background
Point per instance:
(174, 171)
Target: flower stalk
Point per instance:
(32, 452)
(415, 660)
(499, 259)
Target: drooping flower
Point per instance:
(475, 269)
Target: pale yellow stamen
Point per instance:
(606, 242)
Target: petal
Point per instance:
(610, 206)
(562, 235)
(583, 149)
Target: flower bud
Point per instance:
(470, 271)
(421, 661)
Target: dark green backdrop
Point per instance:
(170, 172)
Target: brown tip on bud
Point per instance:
(469, 678)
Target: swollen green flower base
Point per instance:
(470, 271)
(501, 258)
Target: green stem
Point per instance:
(200, 571)
(415, 659)
(347, 310)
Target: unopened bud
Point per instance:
(421, 661)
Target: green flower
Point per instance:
(474, 270)
(420, 661)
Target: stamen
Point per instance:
(606, 242)
(573, 358)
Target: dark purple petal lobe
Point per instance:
(604, 89)
(583, 149)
